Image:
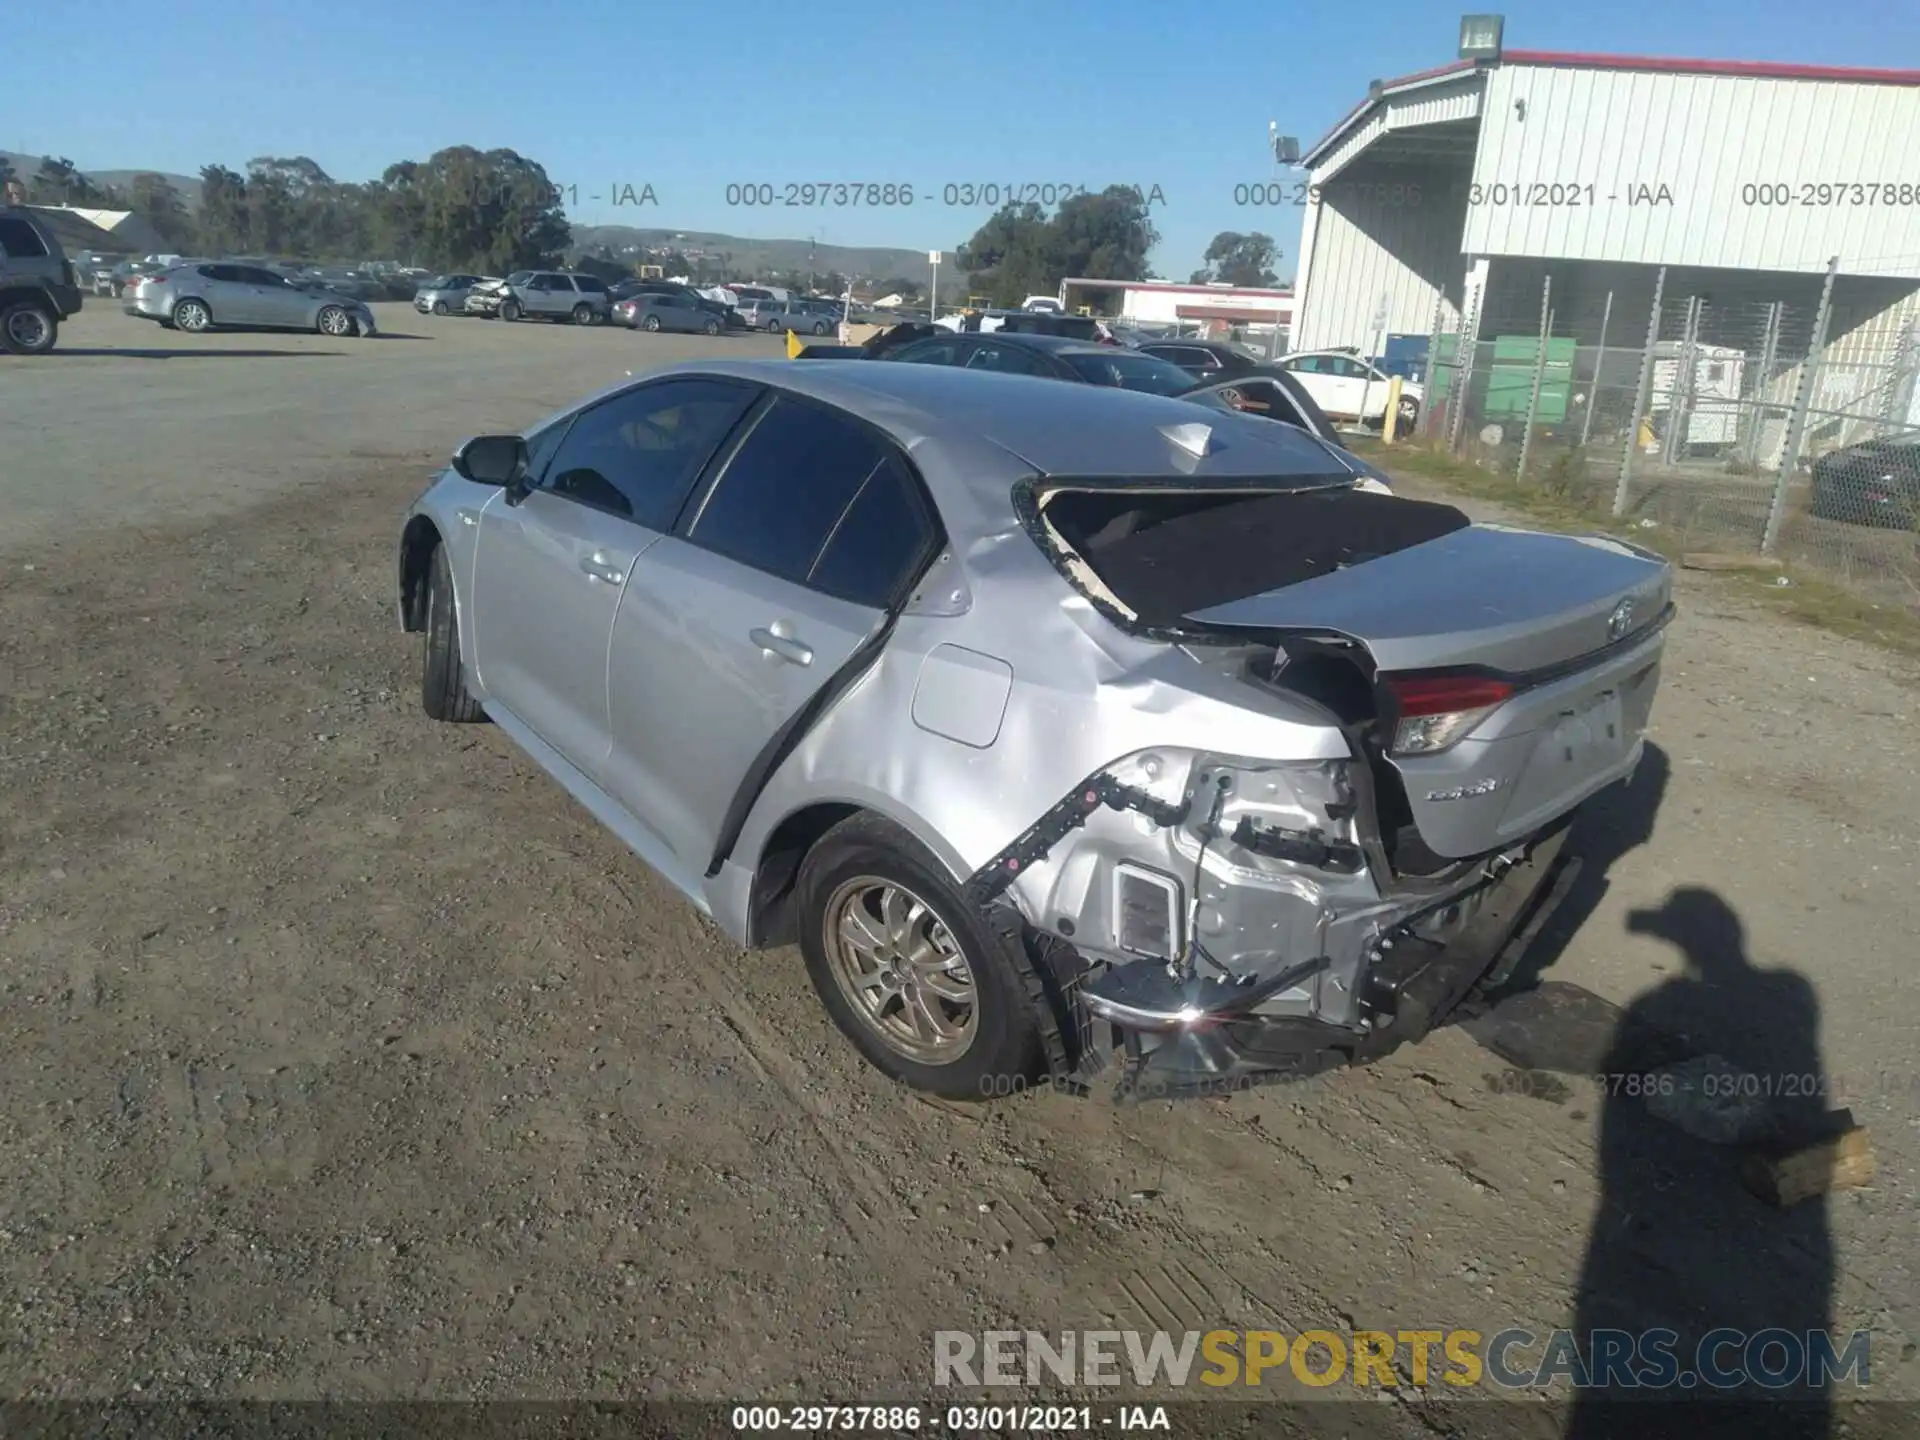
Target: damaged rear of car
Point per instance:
(1077, 729)
(1459, 691)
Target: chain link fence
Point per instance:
(1786, 426)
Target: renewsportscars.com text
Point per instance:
(1512, 1359)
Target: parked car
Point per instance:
(445, 294)
(555, 295)
(38, 287)
(486, 298)
(634, 289)
(667, 312)
(1350, 389)
(1876, 482)
(218, 294)
(777, 317)
(874, 658)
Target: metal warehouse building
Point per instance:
(1449, 198)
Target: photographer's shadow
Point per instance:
(1676, 1243)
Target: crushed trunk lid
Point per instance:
(1514, 601)
(1559, 635)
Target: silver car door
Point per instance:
(229, 297)
(786, 565)
(278, 303)
(548, 573)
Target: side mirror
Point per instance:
(491, 460)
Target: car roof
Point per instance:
(1052, 344)
(975, 433)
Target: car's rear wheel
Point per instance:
(439, 307)
(652, 322)
(192, 316)
(333, 320)
(912, 973)
(28, 328)
(583, 314)
(443, 674)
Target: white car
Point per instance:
(1350, 389)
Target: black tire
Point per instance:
(443, 675)
(712, 327)
(28, 327)
(1005, 1051)
(583, 315)
(509, 310)
(820, 328)
(652, 322)
(439, 307)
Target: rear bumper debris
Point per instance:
(1154, 1037)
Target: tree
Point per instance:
(223, 209)
(1104, 237)
(1236, 259)
(1021, 251)
(59, 182)
(154, 199)
(1011, 256)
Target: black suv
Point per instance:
(38, 288)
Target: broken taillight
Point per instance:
(1433, 711)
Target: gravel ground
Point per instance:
(345, 1056)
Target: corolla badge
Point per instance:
(1620, 621)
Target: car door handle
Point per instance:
(597, 567)
(783, 647)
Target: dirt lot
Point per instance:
(344, 1055)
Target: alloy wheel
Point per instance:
(901, 970)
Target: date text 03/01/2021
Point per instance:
(950, 1420)
(886, 195)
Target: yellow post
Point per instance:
(1392, 418)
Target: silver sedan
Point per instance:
(1041, 714)
(201, 297)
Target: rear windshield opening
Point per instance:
(1157, 554)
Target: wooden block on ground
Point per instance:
(1707, 560)
(1839, 1158)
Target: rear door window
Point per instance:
(881, 542)
(19, 240)
(781, 496)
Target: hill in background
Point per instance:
(746, 256)
(743, 255)
(27, 166)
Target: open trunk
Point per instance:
(1493, 678)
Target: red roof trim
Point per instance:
(1754, 69)
(1655, 64)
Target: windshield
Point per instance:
(1130, 371)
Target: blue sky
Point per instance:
(689, 99)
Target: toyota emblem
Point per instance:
(1620, 621)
